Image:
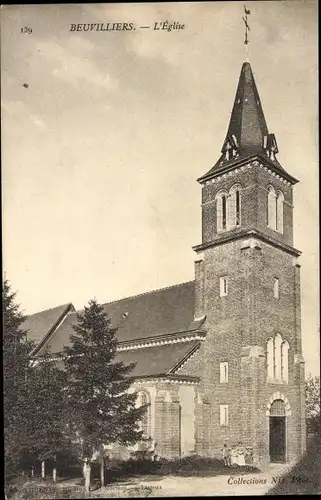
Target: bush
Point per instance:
(137, 465)
(142, 454)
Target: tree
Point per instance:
(312, 404)
(101, 410)
(16, 351)
(46, 419)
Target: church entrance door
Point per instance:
(277, 432)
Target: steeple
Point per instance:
(247, 123)
(247, 135)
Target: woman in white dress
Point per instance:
(234, 456)
(241, 455)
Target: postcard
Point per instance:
(160, 249)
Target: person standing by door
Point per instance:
(226, 455)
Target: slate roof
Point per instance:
(154, 361)
(247, 122)
(157, 360)
(154, 314)
(157, 313)
(41, 324)
(248, 126)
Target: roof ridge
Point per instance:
(150, 292)
(157, 290)
(49, 309)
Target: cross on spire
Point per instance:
(247, 27)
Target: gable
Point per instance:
(40, 325)
(192, 365)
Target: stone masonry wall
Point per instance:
(254, 203)
(247, 317)
(167, 422)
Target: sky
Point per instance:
(104, 134)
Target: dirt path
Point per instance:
(248, 484)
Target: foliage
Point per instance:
(100, 409)
(46, 418)
(312, 403)
(16, 349)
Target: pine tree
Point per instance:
(100, 408)
(16, 351)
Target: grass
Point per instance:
(195, 466)
(120, 477)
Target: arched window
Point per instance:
(285, 361)
(277, 408)
(279, 211)
(234, 207)
(271, 208)
(277, 353)
(221, 211)
(270, 358)
(143, 399)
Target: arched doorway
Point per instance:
(277, 423)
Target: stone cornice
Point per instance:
(185, 360)
(254, 160)
(150, 342)
(253, 233)
(173, 379)
(162, 340)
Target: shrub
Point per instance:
(45, 491)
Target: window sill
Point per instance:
(277, 381)
(275, 230)
(232, 228)
(223, 381)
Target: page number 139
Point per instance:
(26, 30)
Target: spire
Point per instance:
(247, 133)
(247, 123)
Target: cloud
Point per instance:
(75, 69)
(19, 108)
(14, 107)
(38, 121)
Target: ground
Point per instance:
(302, 478)
(170, 486)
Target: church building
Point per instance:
(219, 358)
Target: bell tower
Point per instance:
(255, 191)
(247, 284)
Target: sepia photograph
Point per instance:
(160, 229)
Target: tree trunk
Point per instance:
(87, 477)
(43, 474)
(102, 466)
(32, 471)
(54, 471)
